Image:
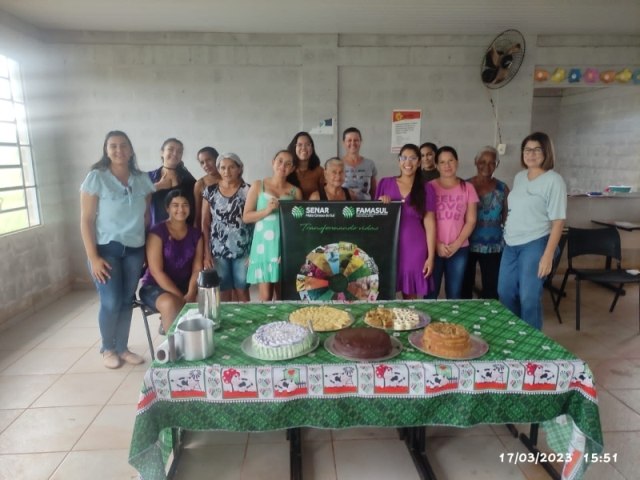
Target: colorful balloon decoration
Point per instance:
(575, 75)
(541, 75)
(608, 76)
(623, 76)
(559, 74)
(591, 75)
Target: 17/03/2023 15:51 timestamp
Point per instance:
(537, 457)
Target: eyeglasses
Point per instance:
(532, 151)
(413, 158)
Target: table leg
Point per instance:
(531, 442)
(511, 427)
(177, 435)
(294, 435)
(415, 440)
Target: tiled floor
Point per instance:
(64, 416)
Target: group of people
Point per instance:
(165, 226)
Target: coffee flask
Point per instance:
(209, 295)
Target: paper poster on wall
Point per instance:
(405, 128)
(325, 127)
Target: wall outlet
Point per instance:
(502, 148)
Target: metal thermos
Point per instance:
(209, 295)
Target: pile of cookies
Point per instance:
(392, 318)
(323, 319)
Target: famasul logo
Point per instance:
(348, 212)
(297, 212)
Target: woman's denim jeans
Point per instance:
(453, 269)
(519, 288)
(116, 296)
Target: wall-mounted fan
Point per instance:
(502, 59)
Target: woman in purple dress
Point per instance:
(174, 258)
(417, 221)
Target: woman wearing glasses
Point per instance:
(537, 211)
(486, 241)
(417, 233)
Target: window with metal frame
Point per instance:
(19, 207)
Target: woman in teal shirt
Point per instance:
(114, 201)
(537, 211)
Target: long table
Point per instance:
(525, 377)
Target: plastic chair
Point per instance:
(555, 292)
(604, 242)
(146, 310)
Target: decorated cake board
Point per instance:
(339, 250)
(338, 271)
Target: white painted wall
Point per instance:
(245, 93)
(599, 138)
(596, 132)
(34, 264)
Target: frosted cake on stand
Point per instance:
(281, 340)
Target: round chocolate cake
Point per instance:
(362, 343)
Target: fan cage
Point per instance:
(503, 42)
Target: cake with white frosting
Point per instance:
(281, 340)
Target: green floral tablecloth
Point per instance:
(525, 377)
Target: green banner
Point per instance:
(339, 250)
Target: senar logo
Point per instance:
(348, 212)
(297, 212)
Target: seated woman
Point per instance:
(333, 190)
(174, 258)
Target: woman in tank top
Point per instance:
(334, 178)
(261, 208)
